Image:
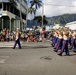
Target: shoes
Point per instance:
(13, 48)
(74, 51)
(60, 54)
(67, 54)
(55, 51)
(70, 48)
(54, 48)
(52, 45)
(20, 48)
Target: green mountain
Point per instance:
(61, 19)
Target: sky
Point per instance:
(56, 7)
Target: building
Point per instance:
(71, 25)
(57, 26)
(31, 23)
(49, 27)
(13, 14)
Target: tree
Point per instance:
(39, 19)
(37, 3)
(32, 10)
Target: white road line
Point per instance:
(4, 56)
(2, 61)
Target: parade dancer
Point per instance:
(70, 37)
(65, 44)
(73, 43)
(59, 42)
(17, 39)
(55, 38)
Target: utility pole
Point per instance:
(42, 13)
(21, 21)
(26, 13)
(1, 16)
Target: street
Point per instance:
(35, 59)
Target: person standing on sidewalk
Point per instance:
(17, 39)
(8, 36)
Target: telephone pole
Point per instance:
(27, 12)
(42, 13)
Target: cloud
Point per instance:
(57, 7)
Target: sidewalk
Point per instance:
(7, 44)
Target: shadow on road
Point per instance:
(46, 58)
(26, 47)
(34, 47)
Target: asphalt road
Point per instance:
(36, 59)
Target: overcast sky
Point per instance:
(57, 7)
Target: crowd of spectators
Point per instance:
(26, 36)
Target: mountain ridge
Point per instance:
(61, 19)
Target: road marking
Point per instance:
(2, 61)
(4, 56)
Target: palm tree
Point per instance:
(37, 3)
(32, 10)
